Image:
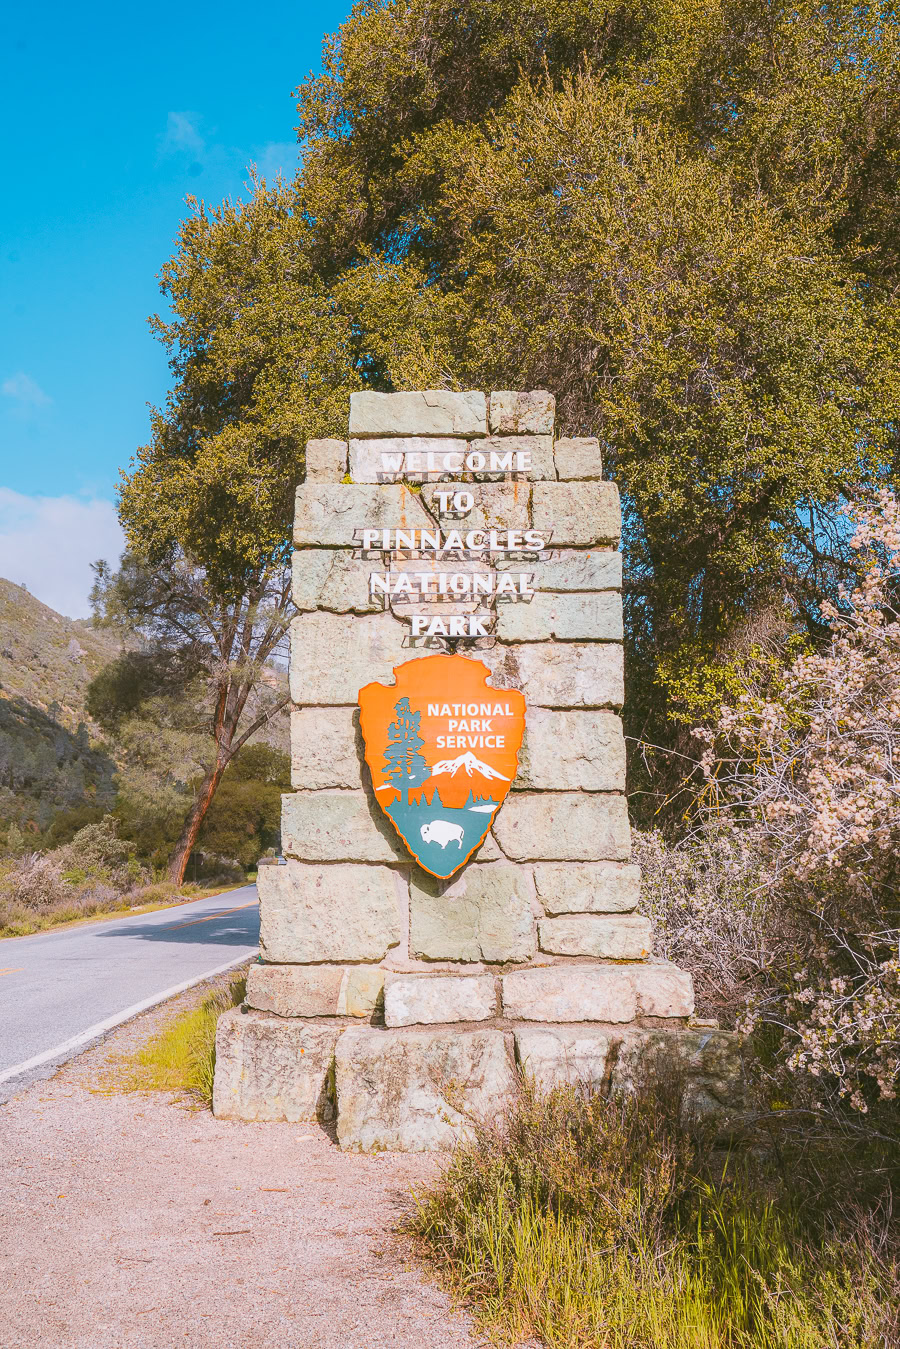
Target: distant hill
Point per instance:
(50, 760)
(46, 659)
(56, 770)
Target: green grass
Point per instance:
(590, 1224)
(181, 1058)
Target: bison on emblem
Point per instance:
(442, 832)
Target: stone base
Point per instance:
(417, 1089)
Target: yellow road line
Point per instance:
(224, 914)
(19, 971)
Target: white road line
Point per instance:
(67, 1048)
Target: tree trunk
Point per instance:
(185, 846)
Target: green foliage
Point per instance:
(97, 851)
(262, 361)
(151, 703)
(677, 216)
(138, 678)
(244, 820)
(48, 771)
(589, 1223)
(94, 873)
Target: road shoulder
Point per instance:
(140, 1222)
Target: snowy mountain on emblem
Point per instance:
(469, 763)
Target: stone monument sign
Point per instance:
(458, 899)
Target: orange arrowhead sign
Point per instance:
(442, 748)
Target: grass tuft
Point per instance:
(590, 1223)
(181, 1058)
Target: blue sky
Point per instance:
(112, 117)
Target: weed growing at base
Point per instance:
(182, 1057)
(592, 1224)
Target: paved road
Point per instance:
(57, 988)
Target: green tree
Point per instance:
(244, 819)
(402, 761)
(674, 216)
(261, 362)
(678, 217)
(205, 678)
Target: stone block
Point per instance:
(571, 569)
(337, 826)
(587, 887)
(604, 936)
(325, 749)
(326, 460)
(413, 458)
(311, 914)
(485, 913)
(522, 414)
(557, 1056)
(511, 451)
(426, 999)
(496, 505)
(332, 578)
(707, 1067)
(663, 989)
(578, 459)
(570, 674)
(577, 515)
(570, 993)
(295, 990)
(315, 990)
(563, 827)
(362, 991)
(333, 655)
(574, 617)
(268, 1068)
(328, 515)
(425, 412)
(416, 1090)
(565, 750)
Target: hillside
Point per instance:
(50, 762)
(46, 659)
(56, 770)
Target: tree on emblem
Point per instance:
(402, 760)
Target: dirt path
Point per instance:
(128, 1221)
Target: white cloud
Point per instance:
(49, 543)
(24, 389)
(182, 133)
(278, 157)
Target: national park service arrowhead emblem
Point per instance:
(442, 748)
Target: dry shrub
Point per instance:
(96, 873)
(596, 1224)
(714, 912)
(804, 780)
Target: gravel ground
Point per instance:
(127, 1220)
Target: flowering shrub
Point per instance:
(810, 768)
